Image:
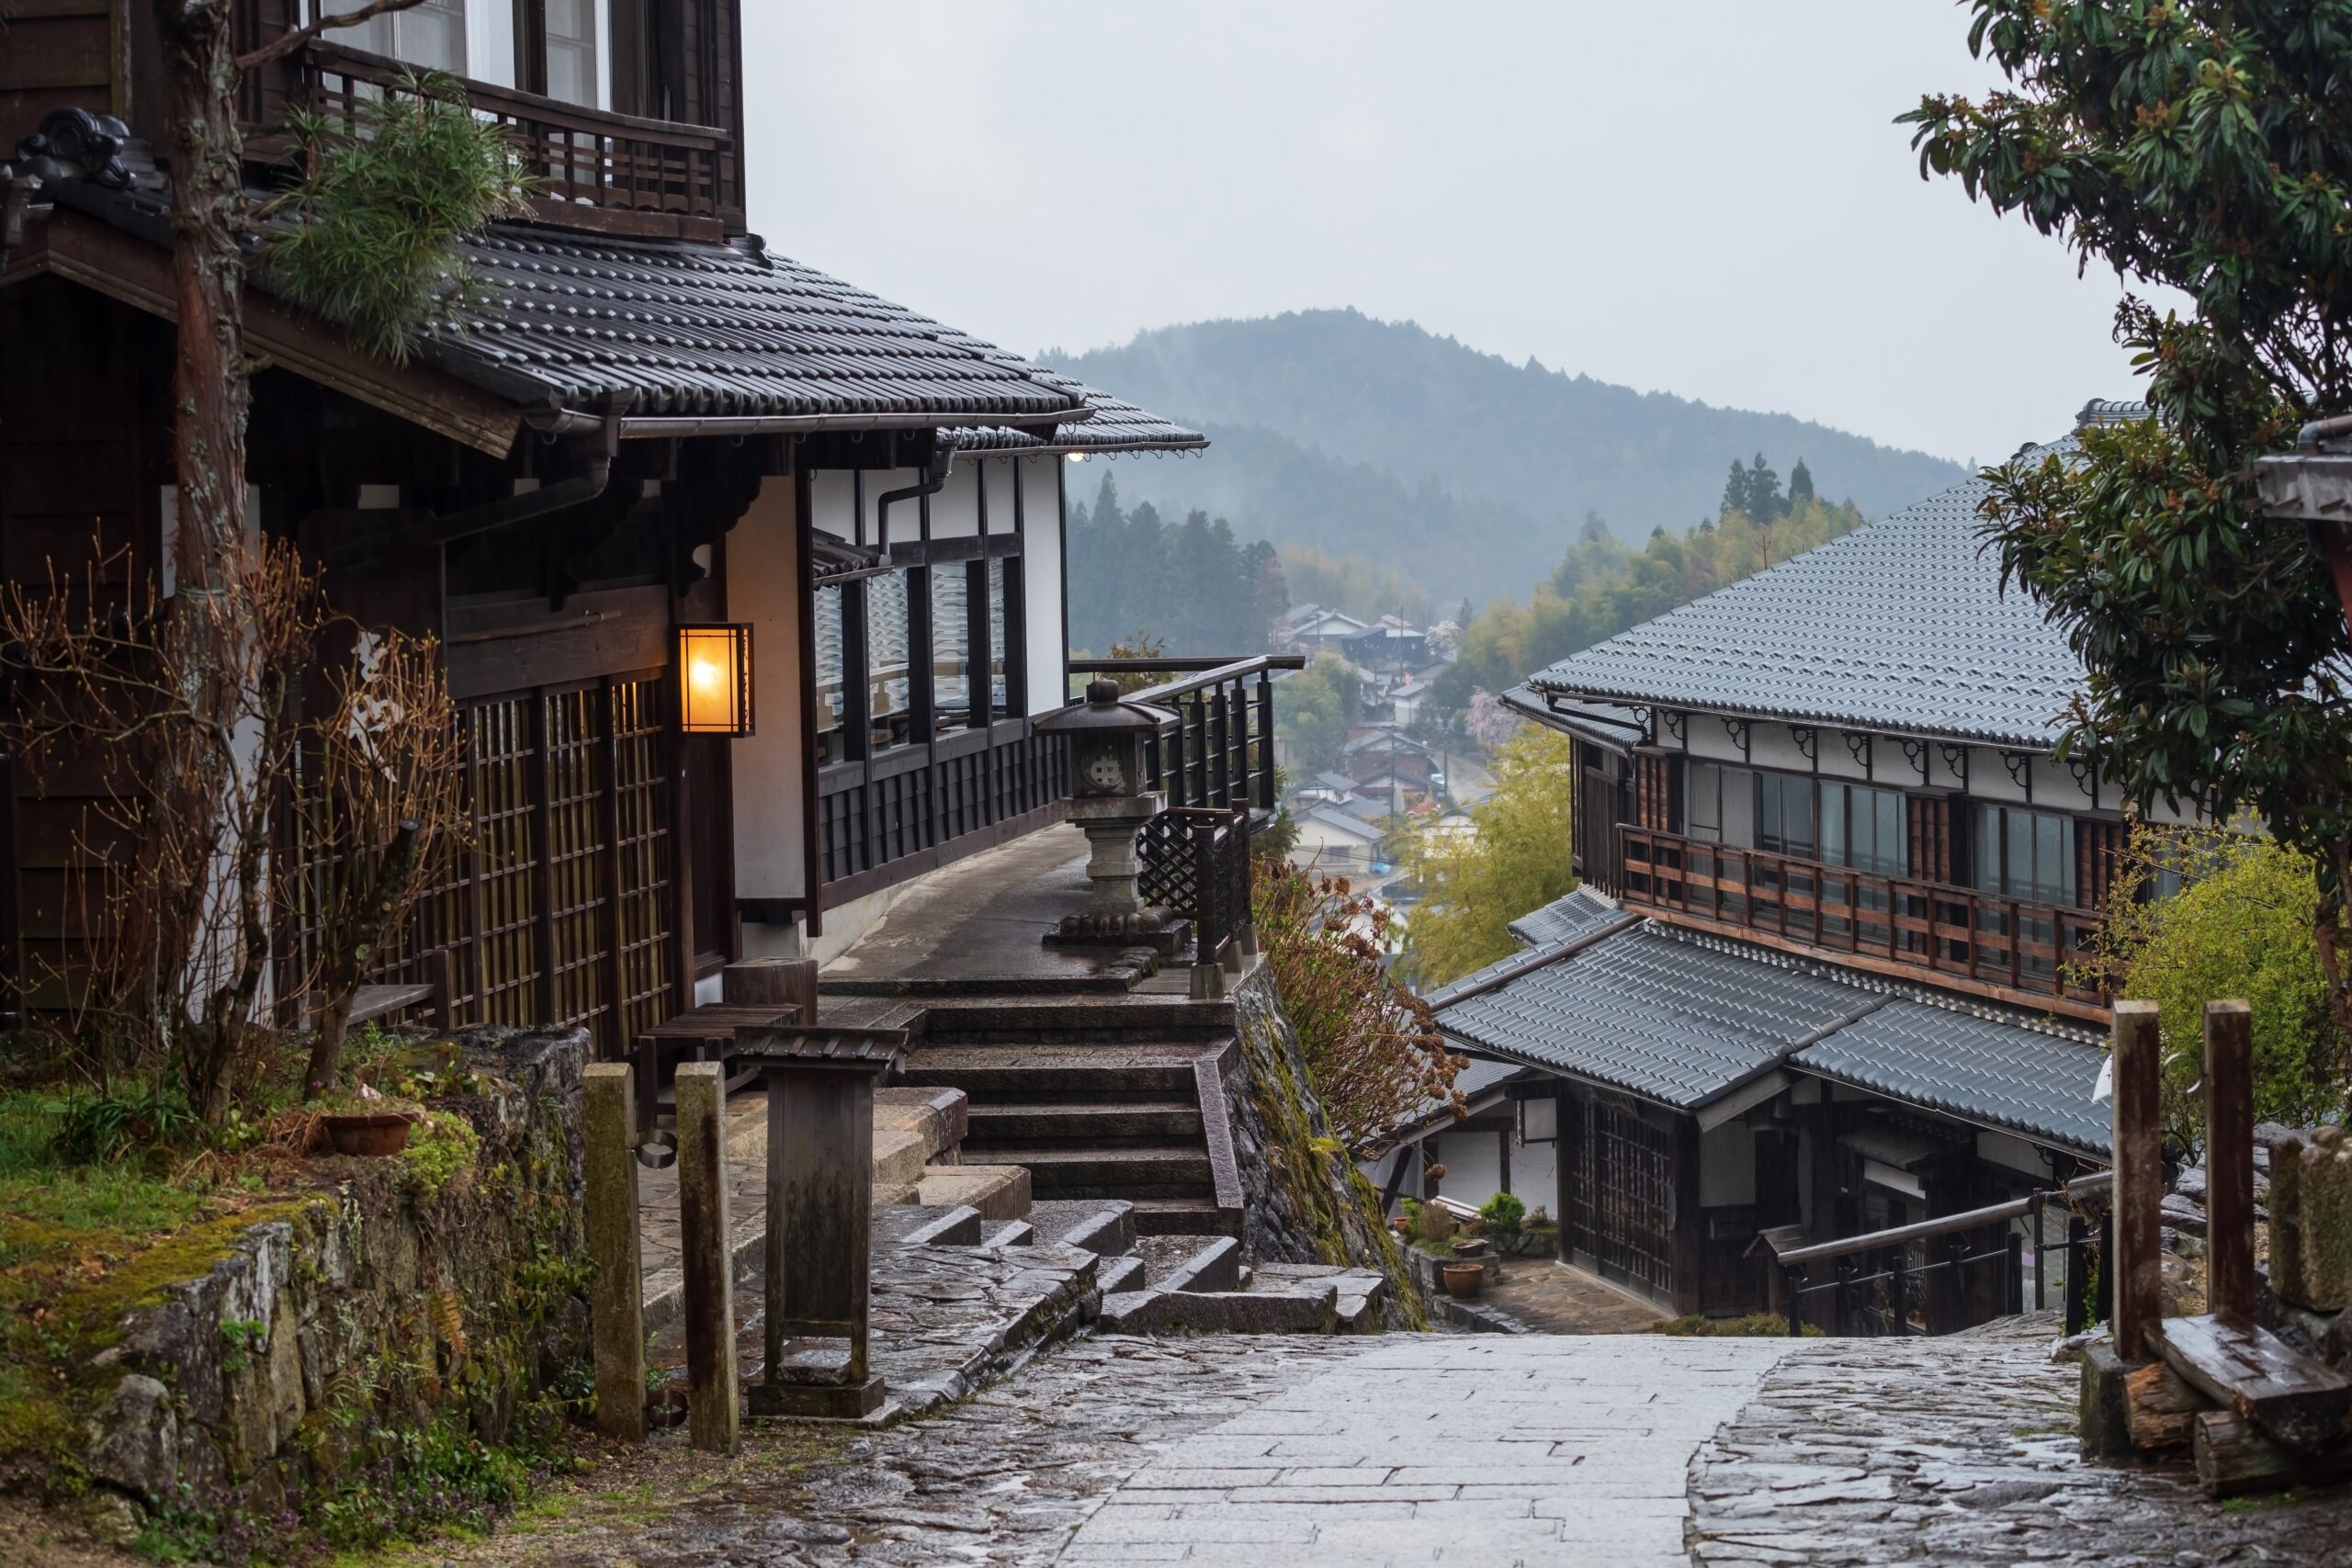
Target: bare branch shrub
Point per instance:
(1373, 1048)
(183, 719)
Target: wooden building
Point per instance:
(656, 423)
(1824, 969)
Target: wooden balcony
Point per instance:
(2011, 950)
(614, 173)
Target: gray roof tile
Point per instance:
(719, 330)
(1651, 1013)
(1980, 1069)
(1899, 626)
(1562, 920)
(1116, 425)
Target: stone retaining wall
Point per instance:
(1304, 1201)
(374, 1306)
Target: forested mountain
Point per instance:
(1191, 586)
(1468, 473)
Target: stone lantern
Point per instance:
(1110, 804)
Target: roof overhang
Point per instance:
(1983, 1124)
(97, 256)
(1919, 733)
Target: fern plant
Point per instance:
(366, 236)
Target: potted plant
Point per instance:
(1462, 1280)
(369, 1125)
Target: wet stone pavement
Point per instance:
(1962, 1449)
(1495, 1449)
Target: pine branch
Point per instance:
(287, 43)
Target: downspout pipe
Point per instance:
(934, 480)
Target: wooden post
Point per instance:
(2135, 1263)
(616, 1300)
(713, 1406)
(2229, 1158)
(786, 982)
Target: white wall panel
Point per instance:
(764, 588)
(1041, 576)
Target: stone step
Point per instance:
(1088, 1121)
(1215, 1267)
(1101, 1226)
(1017, 1075)
(1000, 1192)
(1020, 1232)
(1184, 1216)
(958, 1226)
(1307, 1306)
(1155, 1170)
(1116, 1275)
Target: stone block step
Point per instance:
(908, 1225)
(1020, 1232)
(1215, 1267)
(1041, 1074)
(1303, 1307)
(1184, 1216)
(1089, 1122)
(1116, 1275)
(1101, 1226)
(1157, 1170)
(1000, 1192)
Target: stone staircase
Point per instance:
(1136, 1121)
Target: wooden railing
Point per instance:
(1878, 1285)
(2010, 948)
(1194, 863)
(1219, 751)
(898, 814)
(594, 168)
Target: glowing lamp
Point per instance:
(715, 679)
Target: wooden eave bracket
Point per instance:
(99, 257)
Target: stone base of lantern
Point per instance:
(817, 1400)
(1156, 930)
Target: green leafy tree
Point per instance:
(2205, 145)
(1517, 859)
(1315, 709)
(2238, 926)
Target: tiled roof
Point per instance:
(1117, 426)
(1898, 626)
(1562, 920)
(719, 330)
(1648, 1012)
(1979, 1069)
(1682, 1020)
(1609, 723)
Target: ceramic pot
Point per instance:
(367, 1133)
(1462, 1280)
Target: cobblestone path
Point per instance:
(1490, 1449)
(1962, 1450)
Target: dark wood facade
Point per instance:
(665, 159)
(1934, 921)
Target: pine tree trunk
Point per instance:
(204, 158)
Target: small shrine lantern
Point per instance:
(1110, 802)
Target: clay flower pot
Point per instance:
(1462, 1280)
(368, 1133)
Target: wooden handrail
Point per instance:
(1882, 917)
(381, 71)
(1898, 1235)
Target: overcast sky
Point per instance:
(1706, 196)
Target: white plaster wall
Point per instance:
(1040, 574)
(831, 494)
(1534, 1177)
(2014, 1154)
(764, 588)
(955, 510)
(1473, 1166)
(1771, 746)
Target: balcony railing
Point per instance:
(2010, 948)
(595, 169)
(1219, 751)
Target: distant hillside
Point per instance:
(1379, 439)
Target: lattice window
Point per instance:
(643, 852)
(495, 897)
(1623, 1201)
